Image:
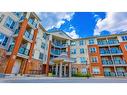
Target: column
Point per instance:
(18, 41)
(60, 70)
(69, 69)
(56, 69)
(65, 70)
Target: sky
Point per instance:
(84, 24)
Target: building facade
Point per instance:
(27, 48)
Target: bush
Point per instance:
(79, 74)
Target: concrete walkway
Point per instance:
(39, 79)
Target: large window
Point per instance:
(94, 59)
(82, 51)
(92, 49)
(83, 60)
(96, 70)
(10, 23)
(91, 41)
(44, 35)
(73, 51)
(124, 38)
(41, 56)
(3, 39)
(81, 42)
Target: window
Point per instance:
(82, 51)
(73, 43)
(41, 56)
(94, 59)
(81, 42)
(84, 70)
(10, 23)
(74, 59)
(73, 51)
(44, 35)
(43, 45)
(83, 60)
(3, 39)
(92, 49)
(96, 70)
(124, 38)
(18, 14)
(91, 41)
(125, 47)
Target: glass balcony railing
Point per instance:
(115, 50)
(109, 74)
(107, 62)
(31, 21)
(57, 52)
(113, 42)
(28, 35)
(102, 43)
(119, 62)
(22, 50)
(103, 51)
(59, 45)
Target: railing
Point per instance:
(102, 51)
(57, 52)
(28, 35)
(22, 18)
(59, 45)
(22, 50)
(115, 51)
(102, 43)
(113, 74)
(107, 62)
(31, 21)
(113, 42)
(119, 62)
(16, 31)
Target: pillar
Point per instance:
(69, 69)
(18, 41)
(26, 69)
(65, 70)
(60, 70)
(56, 70)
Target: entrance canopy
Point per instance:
(63, 58)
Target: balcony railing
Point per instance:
(31, 21)
(113, 42)
(59, 45)
(107, 62)
(119, 62)
(115, 50)
(102, 43)
(28, 35)
(109, 74)
(22, 50)
(57, 52)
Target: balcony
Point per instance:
(107, 62)
(28, 36)
(120, 63)
(23, 52)
(116, 51)
(32, 23)
(57, 52)
(105, 52)
(102, 43)
(113, 42)
(59, 45)
(111, 74)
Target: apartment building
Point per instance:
(27, 48)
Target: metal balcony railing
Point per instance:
(107, 62)
(28, 35)
(119, 62)
(31, 21)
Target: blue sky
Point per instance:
(84, 24)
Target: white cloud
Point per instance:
(114, 23)
(72, 33)
(54, 19)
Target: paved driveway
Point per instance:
(62, 80)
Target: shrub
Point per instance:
(79, 74)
